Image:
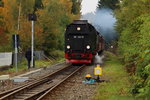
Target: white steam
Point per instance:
(88, 6)
(104, 21)
(98, 59)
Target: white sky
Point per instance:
(88, 6)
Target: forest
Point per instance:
(133, 20)
(52, 18)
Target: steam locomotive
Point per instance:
(82, 42)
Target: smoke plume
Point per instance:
(104, 21)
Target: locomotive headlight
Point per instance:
(88, 47)
(68, 46)
(78, 28)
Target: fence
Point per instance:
(8, 58)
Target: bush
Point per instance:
(57, 54)
(133, 21)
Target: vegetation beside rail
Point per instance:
(22, 67)
(118, 85)
(133, 21)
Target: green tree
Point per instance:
(38, 5)
(1, 3)
(112, 4)
(133, 25)
(54, 18)
(27, 6)
(75, 7)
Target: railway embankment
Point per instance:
(118, 85)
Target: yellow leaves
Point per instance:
(10, 7)
(67, 4)
(49, 27)
(25, 34)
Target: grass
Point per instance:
(22, 66)
(118, 86)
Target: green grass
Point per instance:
(22, 66)
(118, 86)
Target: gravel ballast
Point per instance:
(74, 88)
(9, 84)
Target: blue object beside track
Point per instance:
(91, 81)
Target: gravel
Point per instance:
(74, 88)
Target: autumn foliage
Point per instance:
(52, 18)
(3, 37)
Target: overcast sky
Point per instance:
(88, 6)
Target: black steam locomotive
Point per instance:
(82, 42)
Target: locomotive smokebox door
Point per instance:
(32, 17)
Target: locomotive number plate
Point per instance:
(79, 37)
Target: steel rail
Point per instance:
(11, 93)
(11, 90)
(50, 90)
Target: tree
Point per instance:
(53, 20)
(133, 25)
(53, 16)
(1, 3)
(75, 7)
(38, 5)
(112, 4)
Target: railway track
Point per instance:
(40, 88)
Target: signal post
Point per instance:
(16, 45)
(32, 18)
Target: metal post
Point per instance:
(32, 44)
(19, 17)
(16, 51)
(32, 18)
